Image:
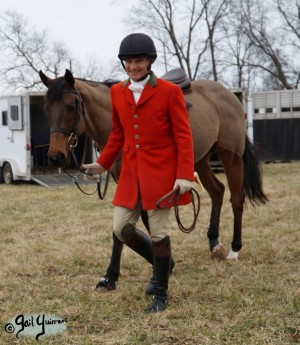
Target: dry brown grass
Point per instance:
(56, 244)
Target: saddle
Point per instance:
(178, 76)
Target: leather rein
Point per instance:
(172, 198)
(73, 142)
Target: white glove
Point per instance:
(184, 185)
(93, 171)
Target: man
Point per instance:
(150, 126)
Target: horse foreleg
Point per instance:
(215, 190)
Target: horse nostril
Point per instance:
(58, 160)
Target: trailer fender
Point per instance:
(14, 167)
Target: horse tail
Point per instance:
(252, 175)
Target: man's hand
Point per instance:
(93, 171)
(184, 185)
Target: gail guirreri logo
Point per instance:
(36, 325)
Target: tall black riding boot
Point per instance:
(138, 241)
(149, 288)
(161, 269)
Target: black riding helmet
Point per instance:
(137, 45)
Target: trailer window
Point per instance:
(4, 118)
(14, 112)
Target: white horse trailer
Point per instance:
(24, 141)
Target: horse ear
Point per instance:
(69, 78)
(45, 80)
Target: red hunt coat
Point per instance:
(156, 142)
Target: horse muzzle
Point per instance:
(59, 160)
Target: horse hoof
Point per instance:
(218, 252)
(107, 283)
(232, 255)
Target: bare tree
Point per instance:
(214, 12)
(177, 29)
(290, 13)
(266, 43)
(191, 35)
(26, 51)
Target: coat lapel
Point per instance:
(127, 93)
(148, 91)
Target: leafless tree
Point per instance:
(214, 12)
(290, 13)
(177, 29)
(266, 42)
(25, 51)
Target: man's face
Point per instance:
(136, 68)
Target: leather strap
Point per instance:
(172, 197)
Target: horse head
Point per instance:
(65, 111)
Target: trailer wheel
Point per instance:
(7, 173)
(1, 175)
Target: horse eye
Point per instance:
(70, 108)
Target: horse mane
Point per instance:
(56, 87)
(107, 82)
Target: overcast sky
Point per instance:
(88, 28)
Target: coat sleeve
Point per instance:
(182, 135)
(115, 140)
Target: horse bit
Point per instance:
(73, 142)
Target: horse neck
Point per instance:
(97, 107)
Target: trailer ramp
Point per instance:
(56, 180)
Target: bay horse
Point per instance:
(217, 119)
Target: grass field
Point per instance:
(56, 244)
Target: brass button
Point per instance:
(135, 116)
(137, 146)
(135, 126)
(137, 136)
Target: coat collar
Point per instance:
(152, 81)
(148, 91)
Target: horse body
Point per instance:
(216, 117)
(217, 121)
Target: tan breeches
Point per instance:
(158, 221)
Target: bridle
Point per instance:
(73, 142)
(79, 105)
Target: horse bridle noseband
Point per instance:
(73, 142)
